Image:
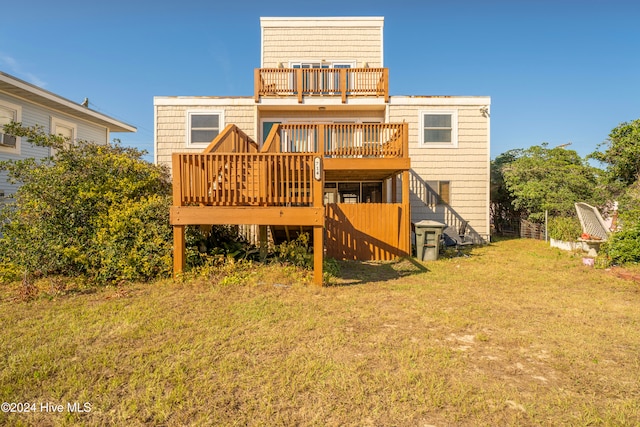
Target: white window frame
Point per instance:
(56, 121)
(190, 113)
(322, 62)
(306, 120)
(17, 109)
(454, 129)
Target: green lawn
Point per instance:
(515, 334)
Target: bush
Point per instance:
(564, 228)
(623, 247)
(296, 252)
(134, 241)
(91, 210)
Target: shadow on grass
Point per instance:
(360, 272)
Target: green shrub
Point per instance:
(134, 241)
(207, 244)
(623, 247)
(91, 210)
(296, 252)
(564, 228)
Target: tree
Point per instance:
(543, 179)
(622, 154)
(502, 208)
(93, 210)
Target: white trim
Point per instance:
(18, 111)
(63, 105)
(454, 129)
(382, 45)
(440, 100)
(155, 135)
(189, 113)
(261, 46)
(203, 101)
(342, 21)
(488, 223)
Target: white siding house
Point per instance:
(26, 103)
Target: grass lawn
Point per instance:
(516, 334)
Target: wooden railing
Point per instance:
(343, 82)
(232, 140)
(245, 179)
(340, 139)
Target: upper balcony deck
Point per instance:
(342, 83)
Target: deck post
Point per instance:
(343, 84)
(406, 207)
(263, 242)
(299, 86)
(179, 245)
(178, 250)
(257, 84)
(394, 188)
(385, 74)
(318, 230)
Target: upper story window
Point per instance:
(439, 128)
(64, 129)
(203, 127)
(9, 113)
(322, 64)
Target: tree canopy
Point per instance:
(622, 154)
(541, 179)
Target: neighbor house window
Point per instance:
(203, 127)
(9, 113)
(439, 129)
(65, 129)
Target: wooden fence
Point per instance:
(367, 231)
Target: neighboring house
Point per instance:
(322, 89)
(31, 105)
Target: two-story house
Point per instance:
(31, 105)
(322, 137)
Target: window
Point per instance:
(63, 128)
(327, 82)
(9, 113)
(203, 127)
(438, 193)
(439, 129)
(353, 192)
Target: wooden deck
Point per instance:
(282, 184)
(321, 82)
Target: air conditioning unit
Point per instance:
(7, 140)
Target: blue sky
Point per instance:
(557, 71)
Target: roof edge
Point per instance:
(46, 96)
